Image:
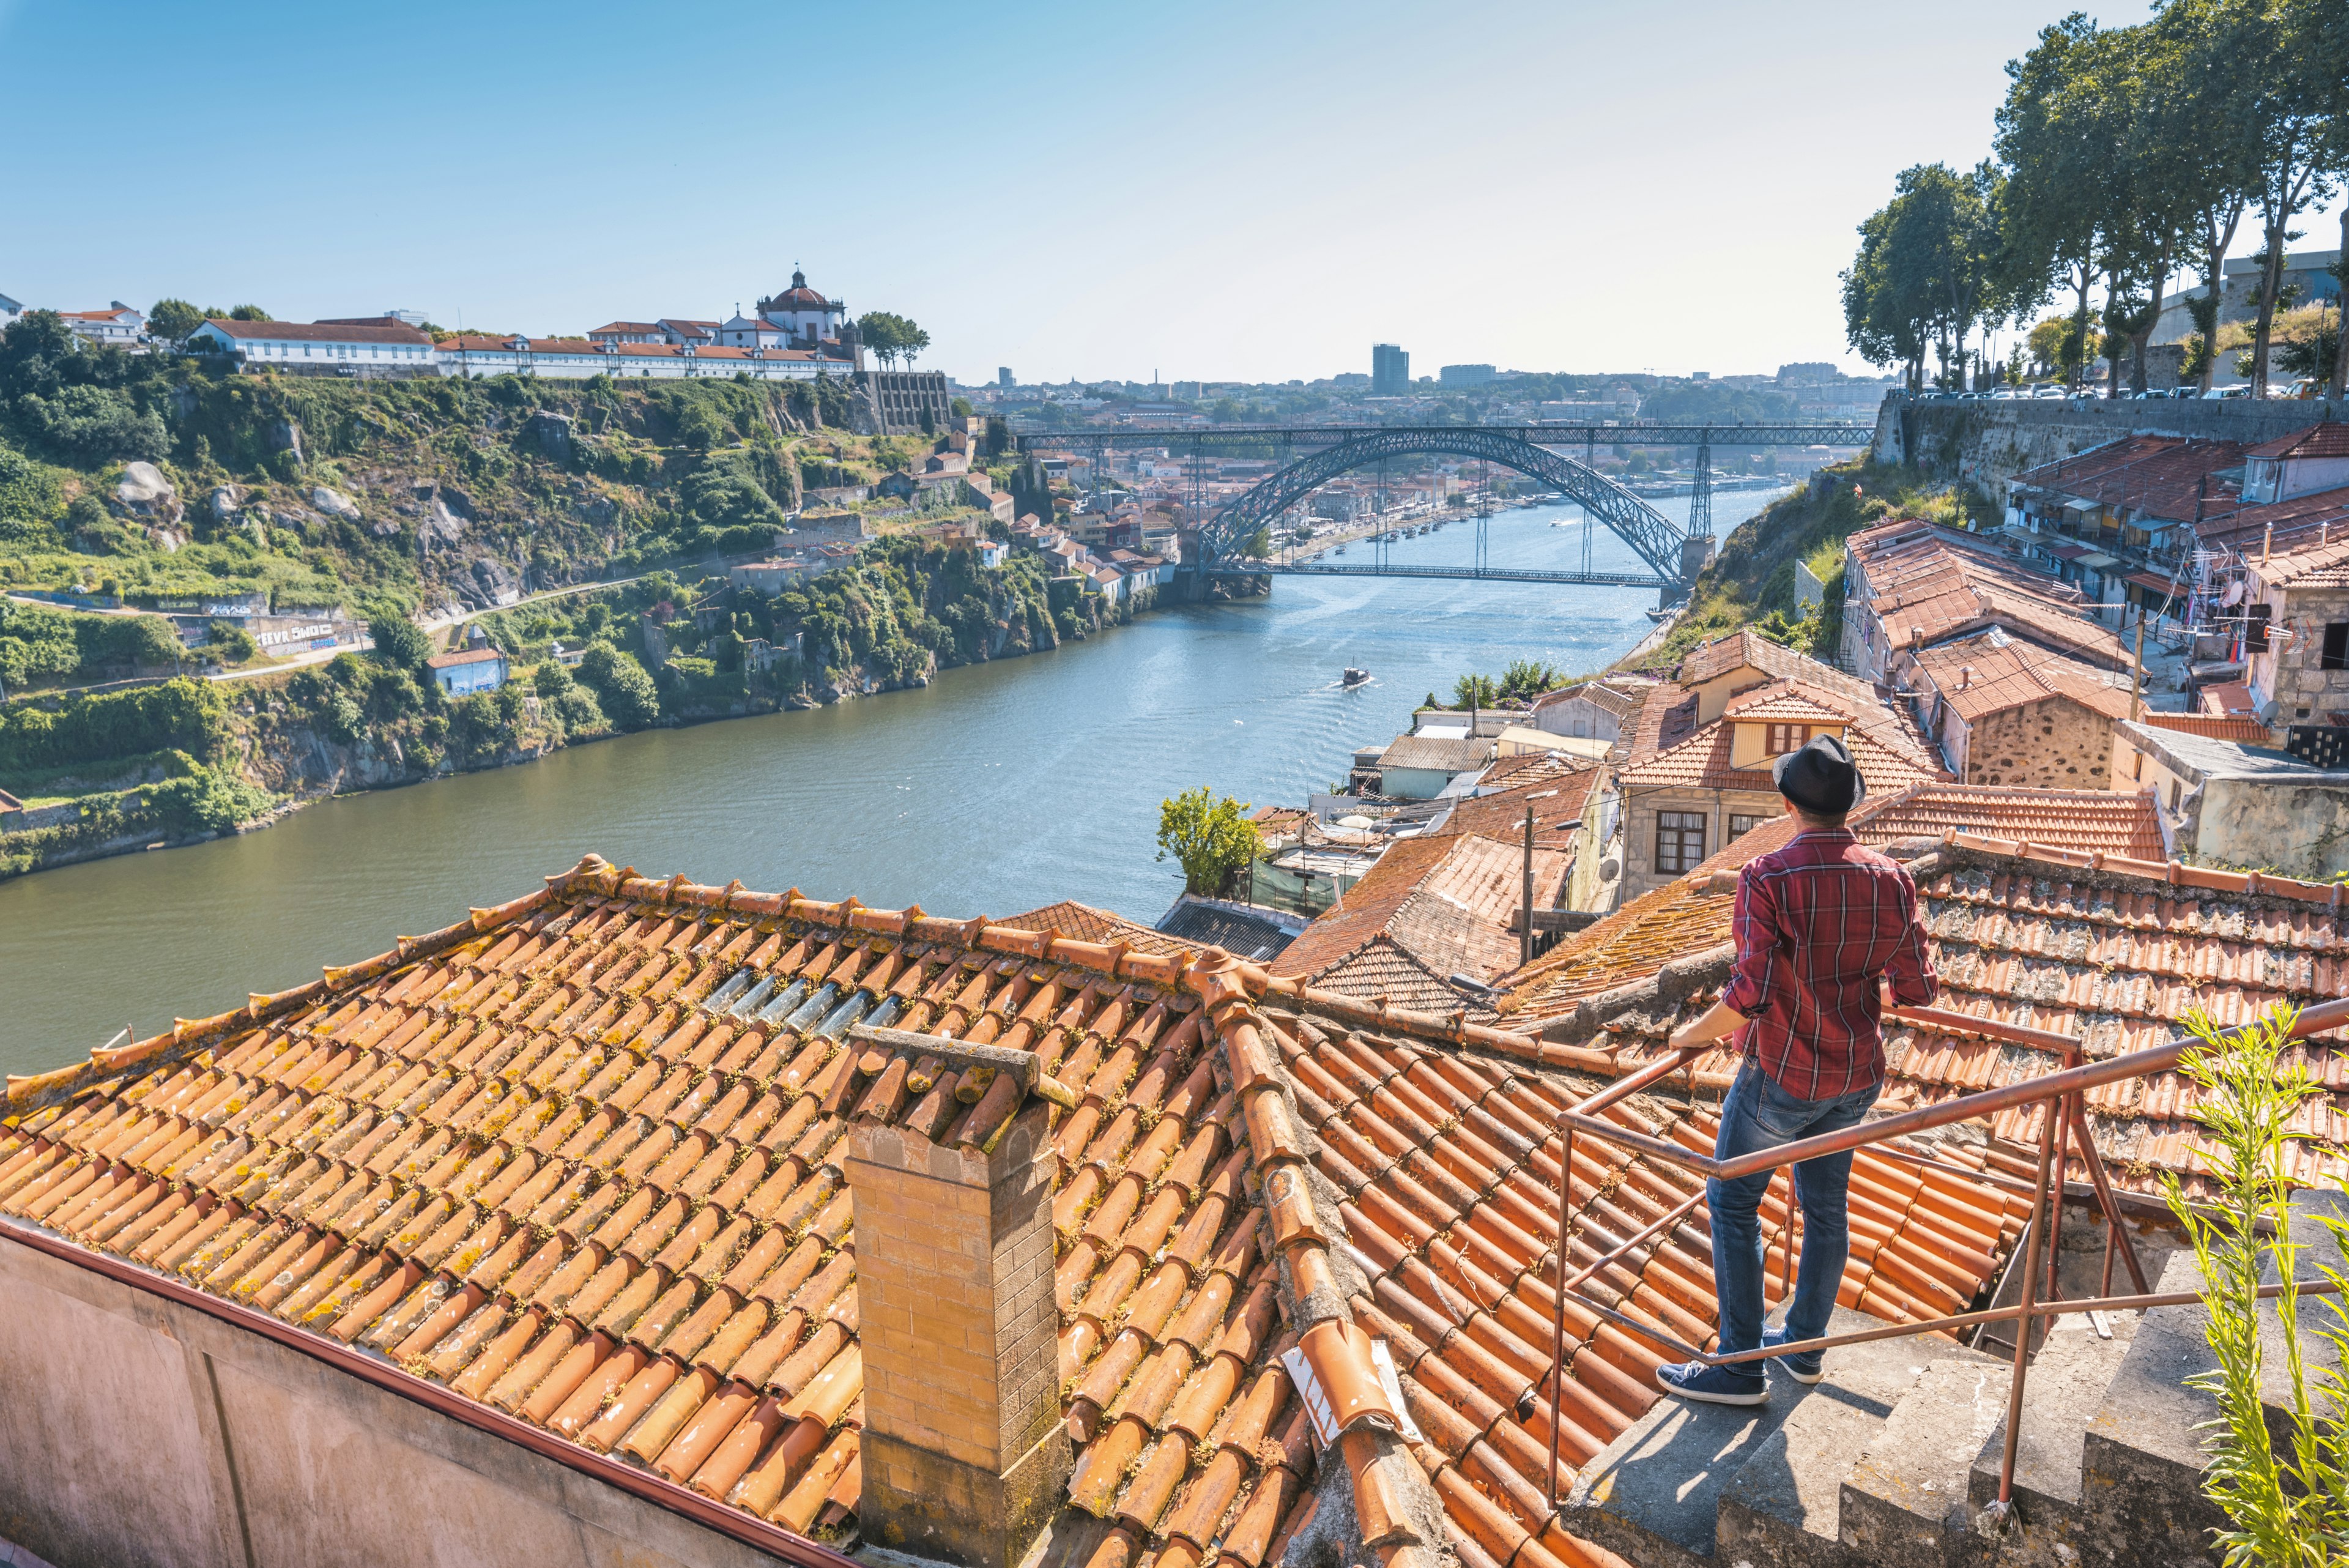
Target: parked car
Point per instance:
(2217, 392)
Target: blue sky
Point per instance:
(1209, 190)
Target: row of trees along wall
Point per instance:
(2123, 156)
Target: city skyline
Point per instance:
(1226, 195)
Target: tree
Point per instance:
(1926, 269)
(1210, 837)
(234, 645)
(399, 642)
(173, 319)
(1527, 678)
(891, 335)
(625, 692)
(2291, 103)
(960, 409)
(1475, 691)
(250, 313)
(36, 354)
(2192, 85)
(2062, 145)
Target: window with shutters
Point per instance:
(1679, 841)
(1784, 738)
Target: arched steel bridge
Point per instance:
(1312, 455)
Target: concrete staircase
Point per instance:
(1890, 1462)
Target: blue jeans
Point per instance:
(1760, 1115)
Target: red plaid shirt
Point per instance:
(1819, 923)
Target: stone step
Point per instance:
(1904, 1503)
(1782, 1508)
(2069, 1377)
(1696, 1484)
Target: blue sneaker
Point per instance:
(1714, 1384)
(1806, 1368)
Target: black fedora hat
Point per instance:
(1820, 777)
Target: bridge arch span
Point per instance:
(1653, 538)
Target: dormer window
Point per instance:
(1780, 739)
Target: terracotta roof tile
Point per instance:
(1770, 661)
(500, 1154)
(1992, 673)
(1924, 581)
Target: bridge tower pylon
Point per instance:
(1701, 493)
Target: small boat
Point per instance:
(1660, 616)
(1354, 676)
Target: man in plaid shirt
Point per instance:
(1827, 934)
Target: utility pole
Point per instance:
(2137, 677)
(1525, 935)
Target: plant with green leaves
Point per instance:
(1475, 691)
(2289, 1502)
(1210, 837)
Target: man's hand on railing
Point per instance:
(1709, 1025)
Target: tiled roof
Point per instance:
(1881, 745)
(1083, 922)
(2113, 952)
(578, 1157)
(1432, 753)
(390, 331)
(2228, 699)
(2057, 819)
(2325, 565)
(1921, 580)
(1444, 901)
(1678, 920)
(2250, 731)
(1667, 717)
(1556, 793)
(2304, 520)
(466, 656)
(624, 326)
(1977, 677)
(1785, 703)
(1752, 650)
(2169, 477)
(2330, 439)
(1618, 695)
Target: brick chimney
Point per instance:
(964, 1453)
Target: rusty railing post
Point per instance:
(1557, 1328)
(2038, 1210)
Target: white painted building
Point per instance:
(580, 358)
(677, 330)
(119, 325)
(376, 345)
(807, 316)
(9, 310)
(473, 669)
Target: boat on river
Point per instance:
(1354, 676)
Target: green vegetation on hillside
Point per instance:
(1751, 583)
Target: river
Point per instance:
(997, 788)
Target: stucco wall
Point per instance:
(2299, 829)
(1989, 443)
(139, 1432)
(2055, 743)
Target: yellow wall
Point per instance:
(1749, 743)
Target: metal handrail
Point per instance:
(2065, 1086)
